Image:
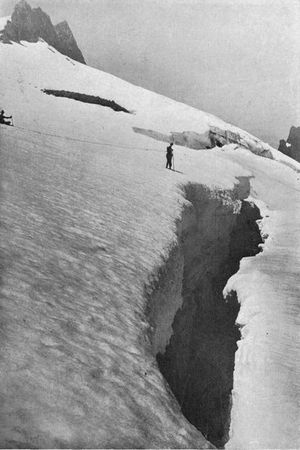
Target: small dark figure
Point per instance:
(169, 156)
(3, 117)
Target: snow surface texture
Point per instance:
(86, 224)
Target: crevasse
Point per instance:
(193, 331)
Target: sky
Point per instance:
(237, 59)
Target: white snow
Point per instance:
(3, 22)
(267, 362)
(84, 227)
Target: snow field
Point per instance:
(86, 227)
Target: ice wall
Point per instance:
(196, 347)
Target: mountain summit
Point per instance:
(291, 147)
(30, 24)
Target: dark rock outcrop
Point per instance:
(67, 43)
(30, 24)
(291, 147)
(94, 100)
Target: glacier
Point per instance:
(91, 222)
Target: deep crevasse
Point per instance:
(196, 349)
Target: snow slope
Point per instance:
(88, 216)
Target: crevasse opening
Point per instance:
(194, 335)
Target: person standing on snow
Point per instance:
(169, 156)
(3, 117)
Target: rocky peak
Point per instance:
(22, 5)
(62, 28)
(68, 44)
(291, 146)
(30, 24)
